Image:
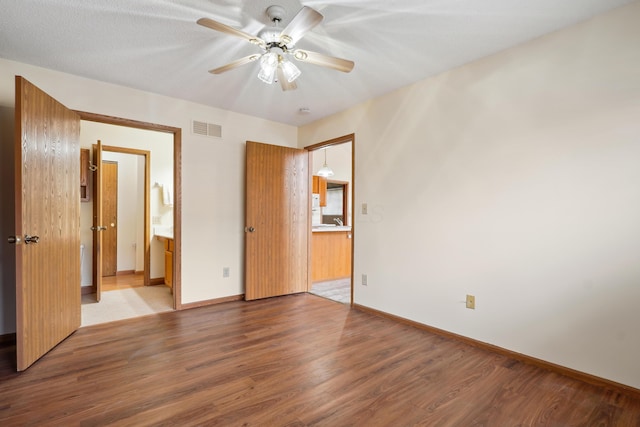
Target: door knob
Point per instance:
(98, 228)
(31, 239)
(13, 239)
(249, 229)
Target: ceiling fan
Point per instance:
(278, 45)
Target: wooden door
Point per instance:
(277, 220)
(98, 226)
(110, 218)
(47, 206)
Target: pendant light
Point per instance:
(326, 171)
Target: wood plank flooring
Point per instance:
(298, 360)
(123, 281)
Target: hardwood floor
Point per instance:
(297, 360)
(123, 281)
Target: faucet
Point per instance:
(338, 221)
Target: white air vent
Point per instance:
(206, 129)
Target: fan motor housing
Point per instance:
(275, 13)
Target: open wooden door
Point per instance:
(47, 223)
(109, 205)
(98, 226)
(277, 221)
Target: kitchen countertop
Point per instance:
(330, 228)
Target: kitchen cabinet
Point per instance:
(84, 174)
(330, 255)
(320, 187)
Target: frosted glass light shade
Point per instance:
(325, 171)
(268, 66)
(291, 72)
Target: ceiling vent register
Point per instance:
(206, 129)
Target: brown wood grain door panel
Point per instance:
(110, 218)
(97, 220)
(47, 206)
(277, 208)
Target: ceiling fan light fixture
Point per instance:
(276, 43)
(291, 72)
(268, 66)
(269, 60)
(267, 75)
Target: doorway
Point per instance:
(331, 248)
(125, 215)
(139, 143)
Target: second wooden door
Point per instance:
(110, 218)
(277, 221)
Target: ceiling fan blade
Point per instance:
(234, 64)
(284, 83)
(316, 58)
(218, 26)
(304, 21)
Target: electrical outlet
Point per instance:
(225, 272)
(156, 220)
(364, 280)
(471, 302)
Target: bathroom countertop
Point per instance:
(163, 232)
(330, 228)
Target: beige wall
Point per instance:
(212, 171)
(516, 179)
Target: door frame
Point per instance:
(324, 144)
(177, 191)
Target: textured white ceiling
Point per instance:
(156, 45)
